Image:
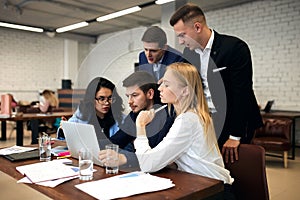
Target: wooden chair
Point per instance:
(275, 135)
(249, 173)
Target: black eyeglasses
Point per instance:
(103, 100)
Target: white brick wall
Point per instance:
(29, 62)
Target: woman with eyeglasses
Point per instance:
(101, 106)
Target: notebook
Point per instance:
(23, 156)
(79, 136)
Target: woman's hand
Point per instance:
(144, 118)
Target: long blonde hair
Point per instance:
(188, 75)
(51, 98)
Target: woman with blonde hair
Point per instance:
(191, 141)
(48, 101)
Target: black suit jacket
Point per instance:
(229, 79)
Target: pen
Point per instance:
(159, 109)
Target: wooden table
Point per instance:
(293, 115)
(25, 117)
(187, 186)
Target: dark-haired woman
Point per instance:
(102, 107)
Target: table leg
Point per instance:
(20, 133)
(3, 130)
(34, 123)
(293, 138)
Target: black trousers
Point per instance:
(228, 192)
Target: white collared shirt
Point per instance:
(204, 60)
(156, 69)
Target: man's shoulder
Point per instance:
(173, 55)
(228, 40)
(142, 58)
(172, 51)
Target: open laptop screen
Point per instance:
(79, 136)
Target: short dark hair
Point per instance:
(186, 13)
(155, 34)
(145, 82)
(142, 79)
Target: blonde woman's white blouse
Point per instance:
(187, 146)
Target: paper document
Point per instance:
(46, 171)
(52, 183)
(15, 149)
(125, 185)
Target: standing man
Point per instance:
(224, 63)
(157, 54)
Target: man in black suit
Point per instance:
(157, 55)
(224, 63)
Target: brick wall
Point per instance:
(29, 62)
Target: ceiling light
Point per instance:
(119, 13)
(72, 27)
(163, 1)
(21, 27)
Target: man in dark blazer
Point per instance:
(224, 63)
(157, 55)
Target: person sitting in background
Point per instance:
(157, 54)
(48, 100)
(101, 106)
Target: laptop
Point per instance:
(269, 106)
(79, 136)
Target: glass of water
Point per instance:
(45, 147)
(85, 164)
(112, 159)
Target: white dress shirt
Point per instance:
(204, 59)
(156, 69)
(188, 146)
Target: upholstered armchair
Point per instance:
(275, 135)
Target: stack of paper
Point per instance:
(125, 185)
(47, 173)
(15, 149)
